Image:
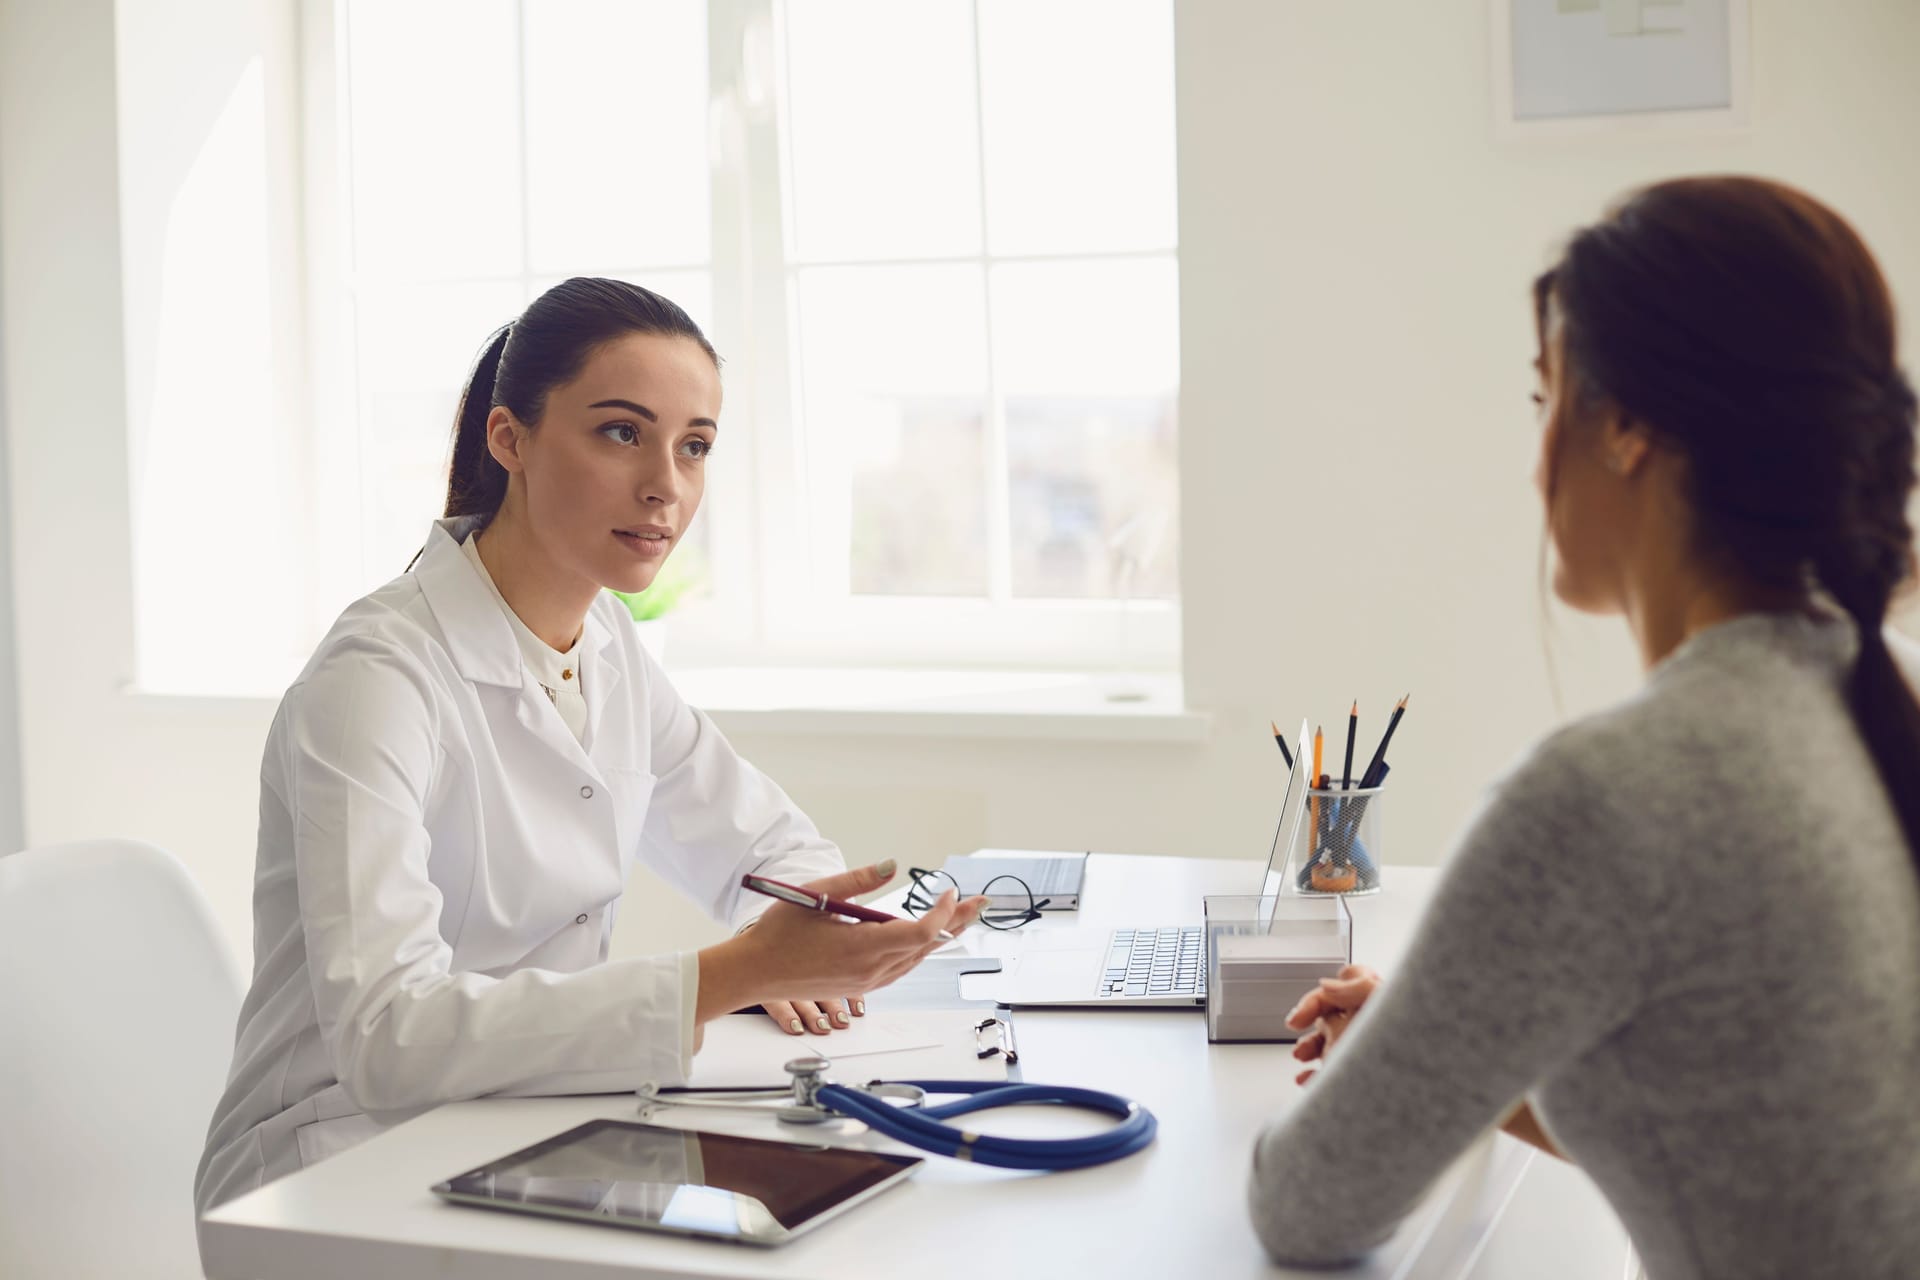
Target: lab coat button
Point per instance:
(586, 793)
(580, 919)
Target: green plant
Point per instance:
(679, 575)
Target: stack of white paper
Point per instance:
(1259, 977)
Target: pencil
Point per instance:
(1371, 777)
(1353, 723)
(1314, 781)
(1281, 743)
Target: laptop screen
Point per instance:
(1291, 809)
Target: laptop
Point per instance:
(1142, 966)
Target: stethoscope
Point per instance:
(811, 1098)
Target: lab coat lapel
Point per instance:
(603, 676)
(476, 633)
(537, 714)
(481, 642)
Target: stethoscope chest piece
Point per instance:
(811, 1098)
(808, 1074)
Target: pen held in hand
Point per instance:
(793, 893)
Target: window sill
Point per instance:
(815, 701)
(1107, 706)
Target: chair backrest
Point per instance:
(117, 1007)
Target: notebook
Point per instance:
(1054, 876)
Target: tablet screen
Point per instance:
(705, 1184)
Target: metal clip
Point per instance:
(1004, 1045)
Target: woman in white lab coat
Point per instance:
(455, 788)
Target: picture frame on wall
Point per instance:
(1572, 68)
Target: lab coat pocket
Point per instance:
(632, 794)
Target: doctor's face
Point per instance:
(617, 465)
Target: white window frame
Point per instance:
(765, 606)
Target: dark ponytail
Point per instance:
(1748, 326)
(1863, 564)
(547, 346)
(475, 482)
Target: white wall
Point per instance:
(1356, 336)
(211, 280)
(65, 419)
(13, 827)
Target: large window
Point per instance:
(934, 241)
(980, 265)
(481, 151)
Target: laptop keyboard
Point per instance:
(1154, 962)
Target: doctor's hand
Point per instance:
(805, 967)
(1329, 1009)
(822, 1016)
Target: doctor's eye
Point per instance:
(698, 447)
(621, 433)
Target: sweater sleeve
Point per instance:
(1526, 957)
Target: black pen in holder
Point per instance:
(1338, 851)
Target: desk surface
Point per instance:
(1172, 1210)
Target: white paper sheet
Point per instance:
(901, 1044)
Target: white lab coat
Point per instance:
(440, 863)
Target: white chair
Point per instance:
(117, 1007)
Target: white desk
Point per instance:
(1174, 1210)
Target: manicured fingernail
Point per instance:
(821, 1023)
(794, 1026)
(860, 1007)
(840, 1018)
(885, 869)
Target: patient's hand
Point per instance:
(1329, 1010)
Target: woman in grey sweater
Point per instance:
(1680, 944)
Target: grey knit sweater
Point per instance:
(1688, 929)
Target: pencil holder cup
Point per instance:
(1264, 954)
(1338, 849)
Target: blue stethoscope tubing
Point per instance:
(921, 1126)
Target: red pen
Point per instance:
(799, 897)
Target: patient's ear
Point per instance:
(1626, 444)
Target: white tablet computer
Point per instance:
(716, 1186)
